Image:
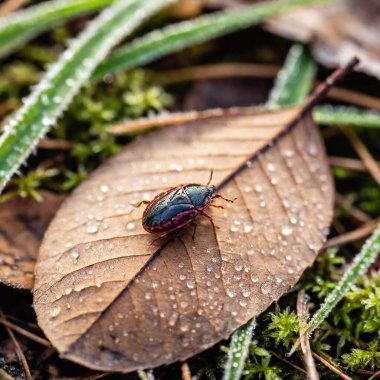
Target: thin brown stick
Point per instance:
(236, 69)
(348, 163)
(354, 97)
(221, 70)
(331, 367)
(55, 144)
(170, 119)
(303, 314)
(313, 99)
(94, 376)
(185, 369)
(5, 375)
(27, 334)
(295, 366)
(353, 211)
(19, 352)
(11, 6)
(362, 151)
(375, 376)
(349, 237)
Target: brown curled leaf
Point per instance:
(22, 226)
(336, 31)
(103, 306)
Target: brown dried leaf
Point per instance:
(104, 303)
(22, 226)
(337, 32)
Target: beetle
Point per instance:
(178, 206)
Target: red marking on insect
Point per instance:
(178, 206)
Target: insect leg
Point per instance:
(216, 206)
(210, 179)
(225, 199)
(210, 220)
(158, 238)
(194, 230)
(137, 206)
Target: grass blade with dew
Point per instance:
(24, 25)
(361, 263)
(64, 79)
(295, 79)
(346, 116)
(238, 351)
(292, 86)
(175, 37)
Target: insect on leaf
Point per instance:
(110, 296)
(22, 226)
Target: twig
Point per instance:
(5, 375)
(25, 333)
(313, 99)
(375, 376)
(170, 119)
(331, 367)
(186, 374)
(295, 366)
(347, 163)
(353, 211)
(221, 70)
(303, 313)
(361, 232)
(55, 144)
(354, 97)
(11, 6)
(362, 151)
(19, 352)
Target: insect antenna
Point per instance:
(210, 179)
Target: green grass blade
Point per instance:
(24, 25)
(346, 116)
(295, 79)
(179, 36)
(238, 352)
(64, 79)
(362, 261)
(291, 88)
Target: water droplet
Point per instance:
(286, 230)
(190, 284)
(262, 204)
(68, 291)
(231, 292)
(104, 188)
(239, 266)
(92, 229)
(131, 226)
(266, 288)
(271, 166)
(254, 277)
(54, 312)
(75, 254)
